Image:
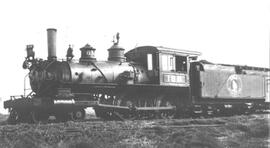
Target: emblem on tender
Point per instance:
(234, 85)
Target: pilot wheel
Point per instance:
(78, 114)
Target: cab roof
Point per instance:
(160, 49)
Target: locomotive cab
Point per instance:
(166, 66)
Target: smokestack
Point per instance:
(51, 34)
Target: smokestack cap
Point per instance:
(52, 29)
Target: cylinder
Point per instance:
(51, 34)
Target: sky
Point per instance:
(224, 31)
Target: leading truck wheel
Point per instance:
(78, 115)
(13, 117)
(38, 116)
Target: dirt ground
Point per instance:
(232, 132)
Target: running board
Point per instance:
(136, 108)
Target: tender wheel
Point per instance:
(78, 115)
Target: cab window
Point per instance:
(149, 62)
(181, 64)
(168, 62)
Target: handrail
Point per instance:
(16, 97)
(24, 85)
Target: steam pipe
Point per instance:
(51, 34)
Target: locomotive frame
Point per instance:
(146, 82)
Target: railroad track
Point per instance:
(124, 120)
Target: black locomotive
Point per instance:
(145, 82)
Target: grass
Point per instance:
(239, 131)
(3, 118)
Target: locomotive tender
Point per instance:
(145, 82)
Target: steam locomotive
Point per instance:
(146, 82)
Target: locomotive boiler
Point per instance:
(46, 76)
(145, 82)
